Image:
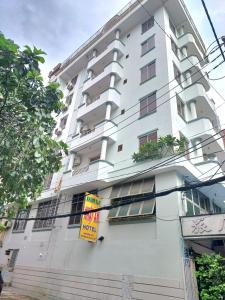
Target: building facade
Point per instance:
(140, 78)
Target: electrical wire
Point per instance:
(166, 164)
(212, 27)
(119, 204)
(138, 111)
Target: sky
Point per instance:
(60, 26)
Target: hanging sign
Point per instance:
(89, 222)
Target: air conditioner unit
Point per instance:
(77, 161)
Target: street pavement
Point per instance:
(7, 294)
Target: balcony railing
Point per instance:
(92, 105)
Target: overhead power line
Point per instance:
(166, 162)
(123, 202)
(213, 28)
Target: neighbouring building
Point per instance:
(142, 76)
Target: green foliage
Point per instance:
(27, 151)
(164, 146)
(211, 276)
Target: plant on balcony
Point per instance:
(211, 276)
(164, 146)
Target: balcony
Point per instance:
(203, 226)
(106, 56)
(209, 168)
(88, 175)
(192, 64)
(202, 128)
(101, 81)
(196, 91)
(205, 106)
(105, 129)
(189, 41)
(98, 103)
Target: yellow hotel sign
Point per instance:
(89, 222)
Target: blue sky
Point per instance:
(60, 26)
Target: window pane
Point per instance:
(123, 210)
(135, 208)
(144, 74)
(152, 103)
(125, 189)
(197, 210)
(151, 70)
(195, 197)
(148, 24)
(76, 207)
(148, 207)
(177, 74)
(144, 47)
(143, 107)
(115, 191)
(190, 210)
(135, 188)
(113, 212)
(147, 185)
(148, 45)
(152, 136)
(143, 140)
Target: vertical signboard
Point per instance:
(89, 222)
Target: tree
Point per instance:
(28, 153)
(211, 276)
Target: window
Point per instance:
(174, 47)
(63, 122)
(13, 257)
(197, 202)
(173, 28)
(95, 158)
(180, 107)
(152, 136)
(147, 25)
(148, 71)
(177, 74)
(148, 45)
(148, 104)
(216, 209)
(69, 99)
(77, 206)
(120, 148)
(20, 225)
(74, 80)
(47, 182)
(137, 190)
(46, 209)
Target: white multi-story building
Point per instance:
(142, 76)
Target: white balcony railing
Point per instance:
(103, 78)
(104, 129)
(110, 95)
(95, 171)
(114, 45)
(189, 41)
